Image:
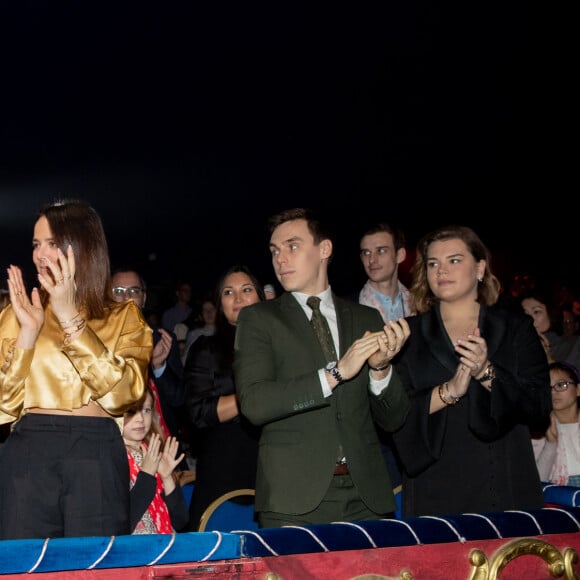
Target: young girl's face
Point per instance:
(137, 422)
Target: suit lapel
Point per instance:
(437, 340)
(491, 325)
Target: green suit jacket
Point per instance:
(276, 363)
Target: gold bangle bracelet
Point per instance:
(76, 328)
(441, 395)
(454, 399)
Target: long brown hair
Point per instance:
(488, 289)
(76, 223)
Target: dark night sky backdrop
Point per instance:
(186, 124)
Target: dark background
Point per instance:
(187, 123)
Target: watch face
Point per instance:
(331, 365)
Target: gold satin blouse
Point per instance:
(107, 363)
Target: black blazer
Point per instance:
(474, 456)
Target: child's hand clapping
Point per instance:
(169, 461)
(152, 457)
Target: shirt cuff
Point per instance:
(158, 372)
(326, 390)
(378, 386)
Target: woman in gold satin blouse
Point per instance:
(72, 361)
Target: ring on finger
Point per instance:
(60, 280)
(391, 349)
(69, 277)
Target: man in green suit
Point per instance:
(320, 459)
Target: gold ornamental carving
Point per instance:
(560, 565)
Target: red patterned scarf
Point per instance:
(157, 508)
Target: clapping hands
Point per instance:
(161, 461)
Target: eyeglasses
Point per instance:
(132, 292)
(562, 385)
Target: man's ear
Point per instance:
(401, 255)
(325, 249)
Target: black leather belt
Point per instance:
(341, 469)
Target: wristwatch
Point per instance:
(332, 368)
(488, 375)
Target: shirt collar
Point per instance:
(325, 297)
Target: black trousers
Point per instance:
(63, 477)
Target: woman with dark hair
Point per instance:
(548, 321)
(71, 362)
(478, 379)
(227, 444)
(558, 451)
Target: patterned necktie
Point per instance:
(321, 328)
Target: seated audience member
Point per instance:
(180, 310)
(536, 304)
(204, 327)
(558, 451)
(227, 445)
(270, 291)
(548, 322)
(157, 502)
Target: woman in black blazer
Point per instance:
(478, 381)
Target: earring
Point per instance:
(480, 280)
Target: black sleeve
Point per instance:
(141, 496)
(170, 383)
(178, 510)
(201, 394)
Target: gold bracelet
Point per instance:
(442, 395)
(454, 399)
(77, 328)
